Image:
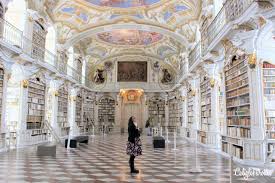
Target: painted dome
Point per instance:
(123, 3)
(130, 37)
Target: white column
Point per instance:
(257, 108)
(96, 110)
(118, 111)
(195, 84)
(16, 102)
(52, 98)
(166, 111)
(72, 111)
(7, 75)
(184, 115)
(145, 109)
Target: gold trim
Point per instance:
(212, 82)
(25, 83)
(56, 93)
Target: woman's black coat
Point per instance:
(133, 132)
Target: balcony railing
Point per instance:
(11, 35)
(231, 10)
(195, 55)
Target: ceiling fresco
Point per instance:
(166, 28)
(130, 37)
(123, 3)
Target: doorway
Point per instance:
(129, 110)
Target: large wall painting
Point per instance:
(123, 3)
(132, 72)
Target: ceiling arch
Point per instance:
(144, 27)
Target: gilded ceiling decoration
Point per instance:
(130, 37)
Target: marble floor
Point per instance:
(104, 160)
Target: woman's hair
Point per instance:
(131, 121)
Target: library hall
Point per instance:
(126, 91)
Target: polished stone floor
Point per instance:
(104, 160)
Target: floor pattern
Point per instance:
(104, 160)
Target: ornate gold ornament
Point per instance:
(252, 59)
(182, 98)
(25, 83)
(262, 21)
(212, 82)
(56, 93)
(73, 98)
(193, 93)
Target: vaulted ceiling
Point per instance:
(160, 28)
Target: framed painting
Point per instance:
(132, 71)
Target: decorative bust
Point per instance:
(167, 77)
(99, 76)
(156, 66)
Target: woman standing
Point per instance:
(133, 144)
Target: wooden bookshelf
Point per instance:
(205, 122)
(157, 111)
(36, 104)
(88, 110)
(174, 113)
(38, 40)
(62, 115)
(106, 111)
(269, 102)
(1, 92)
(78, 111)
(237, 106)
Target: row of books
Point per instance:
(37, 119)
(268, 65)
(236, 79)
(245, 121)
(241, 111)
(234, 68)
(237, 101)
(268, 72)
(238, 92)
(237, 73)
(236, 151)
(233, 140)
(238, 132)
(239, 84)
(269, 90)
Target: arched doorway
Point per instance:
(132, 104)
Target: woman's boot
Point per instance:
(133, 170)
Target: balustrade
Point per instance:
(231, 10)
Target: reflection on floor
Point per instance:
(104, 160)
